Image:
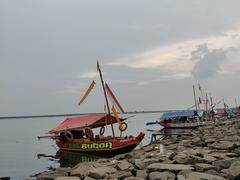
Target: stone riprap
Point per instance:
(211, 153)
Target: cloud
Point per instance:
(216, 61)
(165, 78)
(71, 89)
(199, 52)
(200, 57)
(90, 74)
(209, 62)
(232, 65)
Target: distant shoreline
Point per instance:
(77, 114)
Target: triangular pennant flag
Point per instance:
(113, 99)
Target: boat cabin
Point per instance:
(81, 128)
(182, 116)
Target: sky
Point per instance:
(151, 53)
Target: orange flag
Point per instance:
(116, 116)
(87, 92)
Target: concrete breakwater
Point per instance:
(212, 152)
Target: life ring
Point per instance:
(102, 130)
(123, 126)
(69, 135)
(89, 133)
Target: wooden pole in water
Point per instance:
(195, 99)
(106, 99)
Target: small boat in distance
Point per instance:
(76, 133)
(182, 119)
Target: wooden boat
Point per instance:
(182, 119)
(69, 136)
(76, 133)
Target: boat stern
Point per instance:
(140, 136)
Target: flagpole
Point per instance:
(206, 103)
(211, 101)
(106, 99)
(200, 89)
(195, 99)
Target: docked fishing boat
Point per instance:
(77, 133)
(187, 118)
(183, 119)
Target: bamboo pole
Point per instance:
(105, 95)
(195, 99)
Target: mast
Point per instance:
(200, 89)
(211, 103)
(195, 99)
(105, 95)
(206, 103)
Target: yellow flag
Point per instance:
(116, 115)
(87, 93)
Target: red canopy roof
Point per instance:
(92, 121)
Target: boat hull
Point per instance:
(190, 125)
(106, 146)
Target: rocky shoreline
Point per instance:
(210, 153)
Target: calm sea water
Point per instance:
(20, 148)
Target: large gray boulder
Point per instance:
(97, 173)
(202, 176)
(186, 143)
(142, 173)
(234, 170)
(161, 175)
(119, 175)
(210, 140)
(143, 163)
(133, 178)
(67, 178)
(222, 145)
(224, 164)
(182, 159)
(88, 178)
(101, 172)
(124, 165)
(197, 141)
(203, 167)
(81, 170)
(208, 158)
(170, 167)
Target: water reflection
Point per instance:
(68, 158)
(71, 159)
